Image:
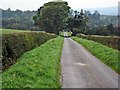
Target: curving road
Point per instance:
(80, 69)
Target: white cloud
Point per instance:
(75, 4)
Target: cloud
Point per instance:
(75, 4)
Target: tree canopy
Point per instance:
(50, 17)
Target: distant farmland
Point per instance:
(8, 31)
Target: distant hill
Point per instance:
(104, 11)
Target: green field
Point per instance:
(39, 68)
(8, 31)
(107, 55)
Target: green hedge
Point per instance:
(110, 41)
(14, 45)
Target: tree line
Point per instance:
(93, 24)
(17, 19)
(56, 16)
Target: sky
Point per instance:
(74, 4)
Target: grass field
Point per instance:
(8, 31)
(107, 55)
(39, 68)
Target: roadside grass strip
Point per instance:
(107, 55)
(38, 68)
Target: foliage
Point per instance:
(107, 55)
(77, 23)
(14, 45)
(110, 41)
(17, 19)
(92, 24)
(61, 34)
(96, 19)
(68, 33)
(108, 30)
(50, 16)
(39, 68)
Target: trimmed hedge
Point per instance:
(110, 41)
(14, 45)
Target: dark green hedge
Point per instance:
(110, 41)
(14, 45)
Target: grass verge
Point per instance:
(107, 55)
(39, 68)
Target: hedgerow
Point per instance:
(14, 45)
(109, 41)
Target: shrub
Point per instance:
(14, 45)
(109, 41)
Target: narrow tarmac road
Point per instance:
(80, 69)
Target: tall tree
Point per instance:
(78, 23)
(50, 17)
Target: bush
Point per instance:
(75, 31)
(109, 41)
(14, 45)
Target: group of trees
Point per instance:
(56, 16)
(102, 24)
(96, 19)
(108, 30)
(93, 24)
(76, 23)
(17, 19)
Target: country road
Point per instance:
(80, 69)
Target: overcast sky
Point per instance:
(74, 4)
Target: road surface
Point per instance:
(80, 69)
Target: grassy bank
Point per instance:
(39, 68)
(107, 55)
